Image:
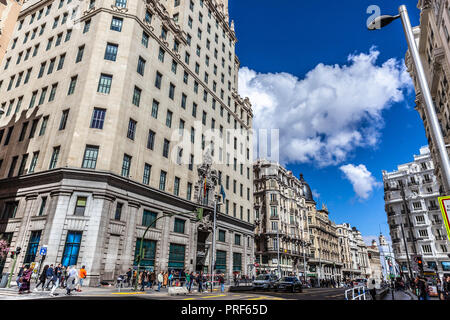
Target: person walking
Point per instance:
(422, 289)
(57, 277)
(200, 282)
(50, 275)
(25, 280)
(152, 279)
(166, 279)
(160, 281)
(446, 288)
(222, 283)
(141, 280)
(171, 279)
(188, 279)
(42, 278)
(81, 276)
(372, 290)
(129, 274)
(19, 275)
(71, 280)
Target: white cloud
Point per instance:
(331, 112)
(362, 180)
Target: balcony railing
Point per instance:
(440, 237)
(390, 214)
(405, 211)
(435, 223)
(433, 208)
(396, 240)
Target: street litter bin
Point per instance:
(4, 280)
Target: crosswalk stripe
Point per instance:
(208, 297)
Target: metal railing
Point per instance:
(357, 293)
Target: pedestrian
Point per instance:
(141, 280)
(81, 276)
(171, 279)
(71, 279)
(25, 280)
(152, 279)
(191, 281)
(166, 279)
(50, 274)
(57, 276)
(200, 282)
(439, 290)
(422, 288)
(188, 279)
(19, 275)
(372, 289)
(160, 280)
(446, 288)
(129, 274)
(64, 277)
(222, 283)
(42, 278)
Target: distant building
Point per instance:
(414, 216)
(9, 11)
(389, 267)
(373, 252)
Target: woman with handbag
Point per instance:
(25, 280)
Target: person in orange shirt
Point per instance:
(81, 275)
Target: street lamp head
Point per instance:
(1, 112)
(381, 22)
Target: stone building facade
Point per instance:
(373, 253)
(325, 261)
(281, 219)
(414, 217)
(433, 40)
(111, 108)
(351, 268)
(9, 11)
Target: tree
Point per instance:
(4, 248)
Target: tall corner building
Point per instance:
(118, 114)
(9, 11)
(433, 41)
(415, 220)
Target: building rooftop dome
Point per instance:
(306, 189)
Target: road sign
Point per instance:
(43, 251)
(444, 203)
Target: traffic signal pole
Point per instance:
(12, 269)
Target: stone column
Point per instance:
(96, 229)
(132, 217)
(164, 243)
(24, 228)
(54, 228)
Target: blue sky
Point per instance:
(286, 40)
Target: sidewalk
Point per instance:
(400, 295)
(12, 293)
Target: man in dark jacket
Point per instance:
(446, 288)
(50, 276)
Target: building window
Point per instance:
(54, 158)
(90, 157)
(104, 84)
(118, 213)
(237, 239)
(71, 248)
(87, 25)
(98, 118)
(189, 191)
(172, 91)
(42, 208)
(169, 119)
(33, 162)
(151, 140)
(237, 261)
(43, 126)
(141, 66)
(80, 206)
(158, 80)
(126, 165)
(162, 180)
(166, 148)
(73, 83)
(33, 245)
(222, 234)
(116, 24)
(144, 40)
(111, 51)
(10, 210)
(147, 171)
(149, 218)
(149, 250)
(121, 3)
(80, 54)
(179, 225)
(136, 96)
(176, 256)
(63, 122)
(221, 261)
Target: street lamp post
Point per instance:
(213, 260)
(435, 128)
(139, 258)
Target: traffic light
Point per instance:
(18, 250)
(12, 254)
(420, 264)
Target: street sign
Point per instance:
(444, 203)
(43, 251)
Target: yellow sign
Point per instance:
(444, 203)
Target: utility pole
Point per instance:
(278, 249)
(213, 260)
(405, 205)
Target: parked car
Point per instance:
(264, 281)
(290, 284)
